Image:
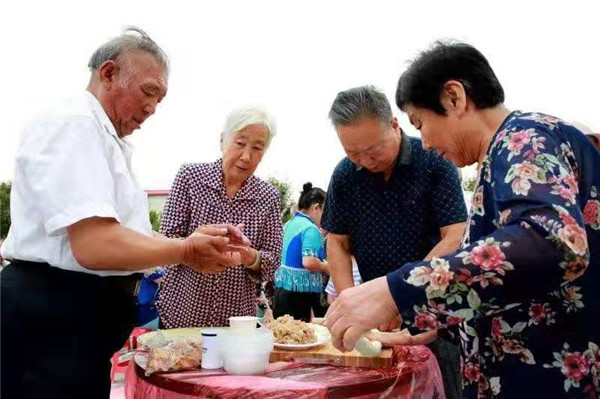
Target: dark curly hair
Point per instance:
(311, 195)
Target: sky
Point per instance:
(292, 58)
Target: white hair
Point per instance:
(131, 39)
(240, 118)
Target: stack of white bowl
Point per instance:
(245, 348)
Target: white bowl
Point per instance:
(246, 363)
(243, 324)
(245, 354)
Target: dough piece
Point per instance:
(368, 348)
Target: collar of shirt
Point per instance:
(102, 118)
(214, 180)
(303, 215)
(405, 155)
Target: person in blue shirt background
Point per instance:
(147, 315)
(298, 281)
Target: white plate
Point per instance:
(323, 336)
(141, 359)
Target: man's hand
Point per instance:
(358, 310)
(234, 233)
(210, 250)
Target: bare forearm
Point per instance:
(450, 242)
(340, 264)
(314, 264)
(106, 245)
(156, 234)
(325, 267)
(446, 246)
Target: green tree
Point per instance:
(155, 218)
(285, 197)
(4, 208)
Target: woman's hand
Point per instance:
(248, 256)
(402, 337)
(358, 310)
(209, 250)
(391, 325)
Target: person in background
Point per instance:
(80, 230)
(147, 316)
(523, 288)
(298, 281)
(224, 191)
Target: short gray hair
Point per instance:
(131, 39)
(240, 118)
(355, 104)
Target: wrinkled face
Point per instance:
(243, 151)
(370, 143)
(439, 132)
(136, 92)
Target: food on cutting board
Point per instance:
(368, 348)
(286, 330)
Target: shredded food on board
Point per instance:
(286, 330)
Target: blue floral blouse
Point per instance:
(524, 290)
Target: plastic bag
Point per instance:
(180, 354)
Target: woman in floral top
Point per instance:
(523, 290)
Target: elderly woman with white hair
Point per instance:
(224, 191)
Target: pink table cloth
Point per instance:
(416, 374)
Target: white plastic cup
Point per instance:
(211, 353)
(243, 324)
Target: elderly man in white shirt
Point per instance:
(80, 230)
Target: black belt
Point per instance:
(125, 285)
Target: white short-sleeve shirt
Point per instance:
(71, 165)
